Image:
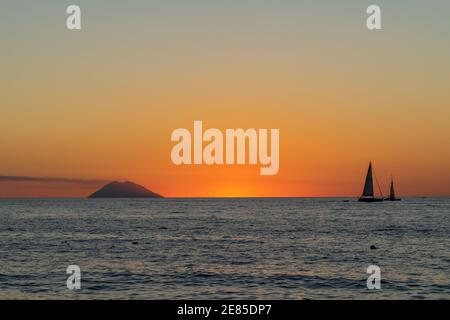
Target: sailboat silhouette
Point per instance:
(392, 193)
(368, 195)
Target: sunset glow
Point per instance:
(101, 104)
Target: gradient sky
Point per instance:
(101, 103)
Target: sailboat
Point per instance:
(368, 195)
(392, 193)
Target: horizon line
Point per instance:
(12, 178)
(216, 197)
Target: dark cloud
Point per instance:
(48, 179)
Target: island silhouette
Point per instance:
(125, 189)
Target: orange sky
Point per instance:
(102, 103)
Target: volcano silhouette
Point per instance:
(125, 189)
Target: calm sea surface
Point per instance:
(224, 248)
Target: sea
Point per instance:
(246, 248)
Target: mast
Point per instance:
(368, 185)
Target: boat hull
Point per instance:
(370, 199)
(390, 199)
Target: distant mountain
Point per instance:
(124, 190)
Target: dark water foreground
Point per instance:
(225, 248)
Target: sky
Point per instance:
(100, 104)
